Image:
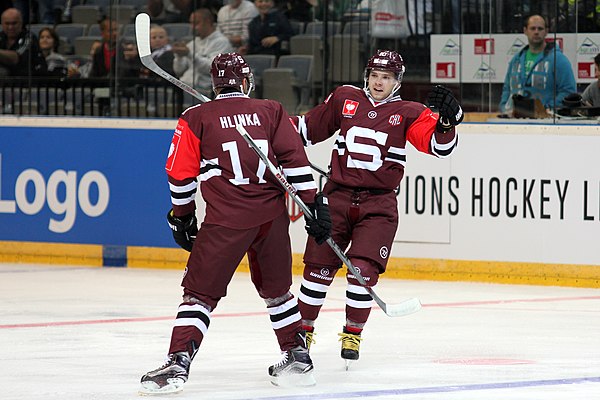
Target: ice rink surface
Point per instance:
(90, 333)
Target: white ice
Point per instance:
(90, 333)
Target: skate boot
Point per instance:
(350, 346)
(295, 368)
(170, 377)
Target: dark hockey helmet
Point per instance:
(386, 60)
(229, 70)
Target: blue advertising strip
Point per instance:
(84, 186)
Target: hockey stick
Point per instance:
(319, 170)
(393, 310)
(142, 35)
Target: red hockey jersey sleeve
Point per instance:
(183, 166)
(423, 136)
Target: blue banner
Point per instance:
(85, 185)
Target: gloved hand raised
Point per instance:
(320, 226)
(184, 229)
(451, 114)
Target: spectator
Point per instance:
(106, 57)
(195, 70)
(233, 20)
(269, 30)
(56, 63)
(539, 71)
(591, 94)
(162, 51)
(20, 54)
(79, 70)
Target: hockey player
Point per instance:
(367, 165)
(245, 213)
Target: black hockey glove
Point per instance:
(320, 226)
(451, 114)
(184, 229)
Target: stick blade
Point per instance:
(142, 34)
(407, 307)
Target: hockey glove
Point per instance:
(320, 226)
(451, 114)
(184, 229)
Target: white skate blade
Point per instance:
(348, 363)
(150, 388)
(294, 380)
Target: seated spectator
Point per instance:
(20, 54)
(269, 30)
(591, 94)
(162, 51)
(83, 70)
(104, 58)
(192, 60)
(56, 63)
(233, 20)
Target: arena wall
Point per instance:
(516, 203)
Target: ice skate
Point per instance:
(169, 378)
(295, 368)
(350, 346)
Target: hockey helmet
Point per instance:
(386, 60)
(230, 70)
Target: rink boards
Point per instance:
(516, 203)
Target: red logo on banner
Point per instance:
(385, 16)
(350, 107)
(484, 46)
(585, 70)
(445, 70)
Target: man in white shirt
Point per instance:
(192, 60)
(233, 20)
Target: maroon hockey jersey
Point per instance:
(238, 189)
(370, 149)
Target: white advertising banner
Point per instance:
(510, 192)
(476, 58)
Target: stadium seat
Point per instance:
(258, 63)
(316, 28)
(86, 14)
